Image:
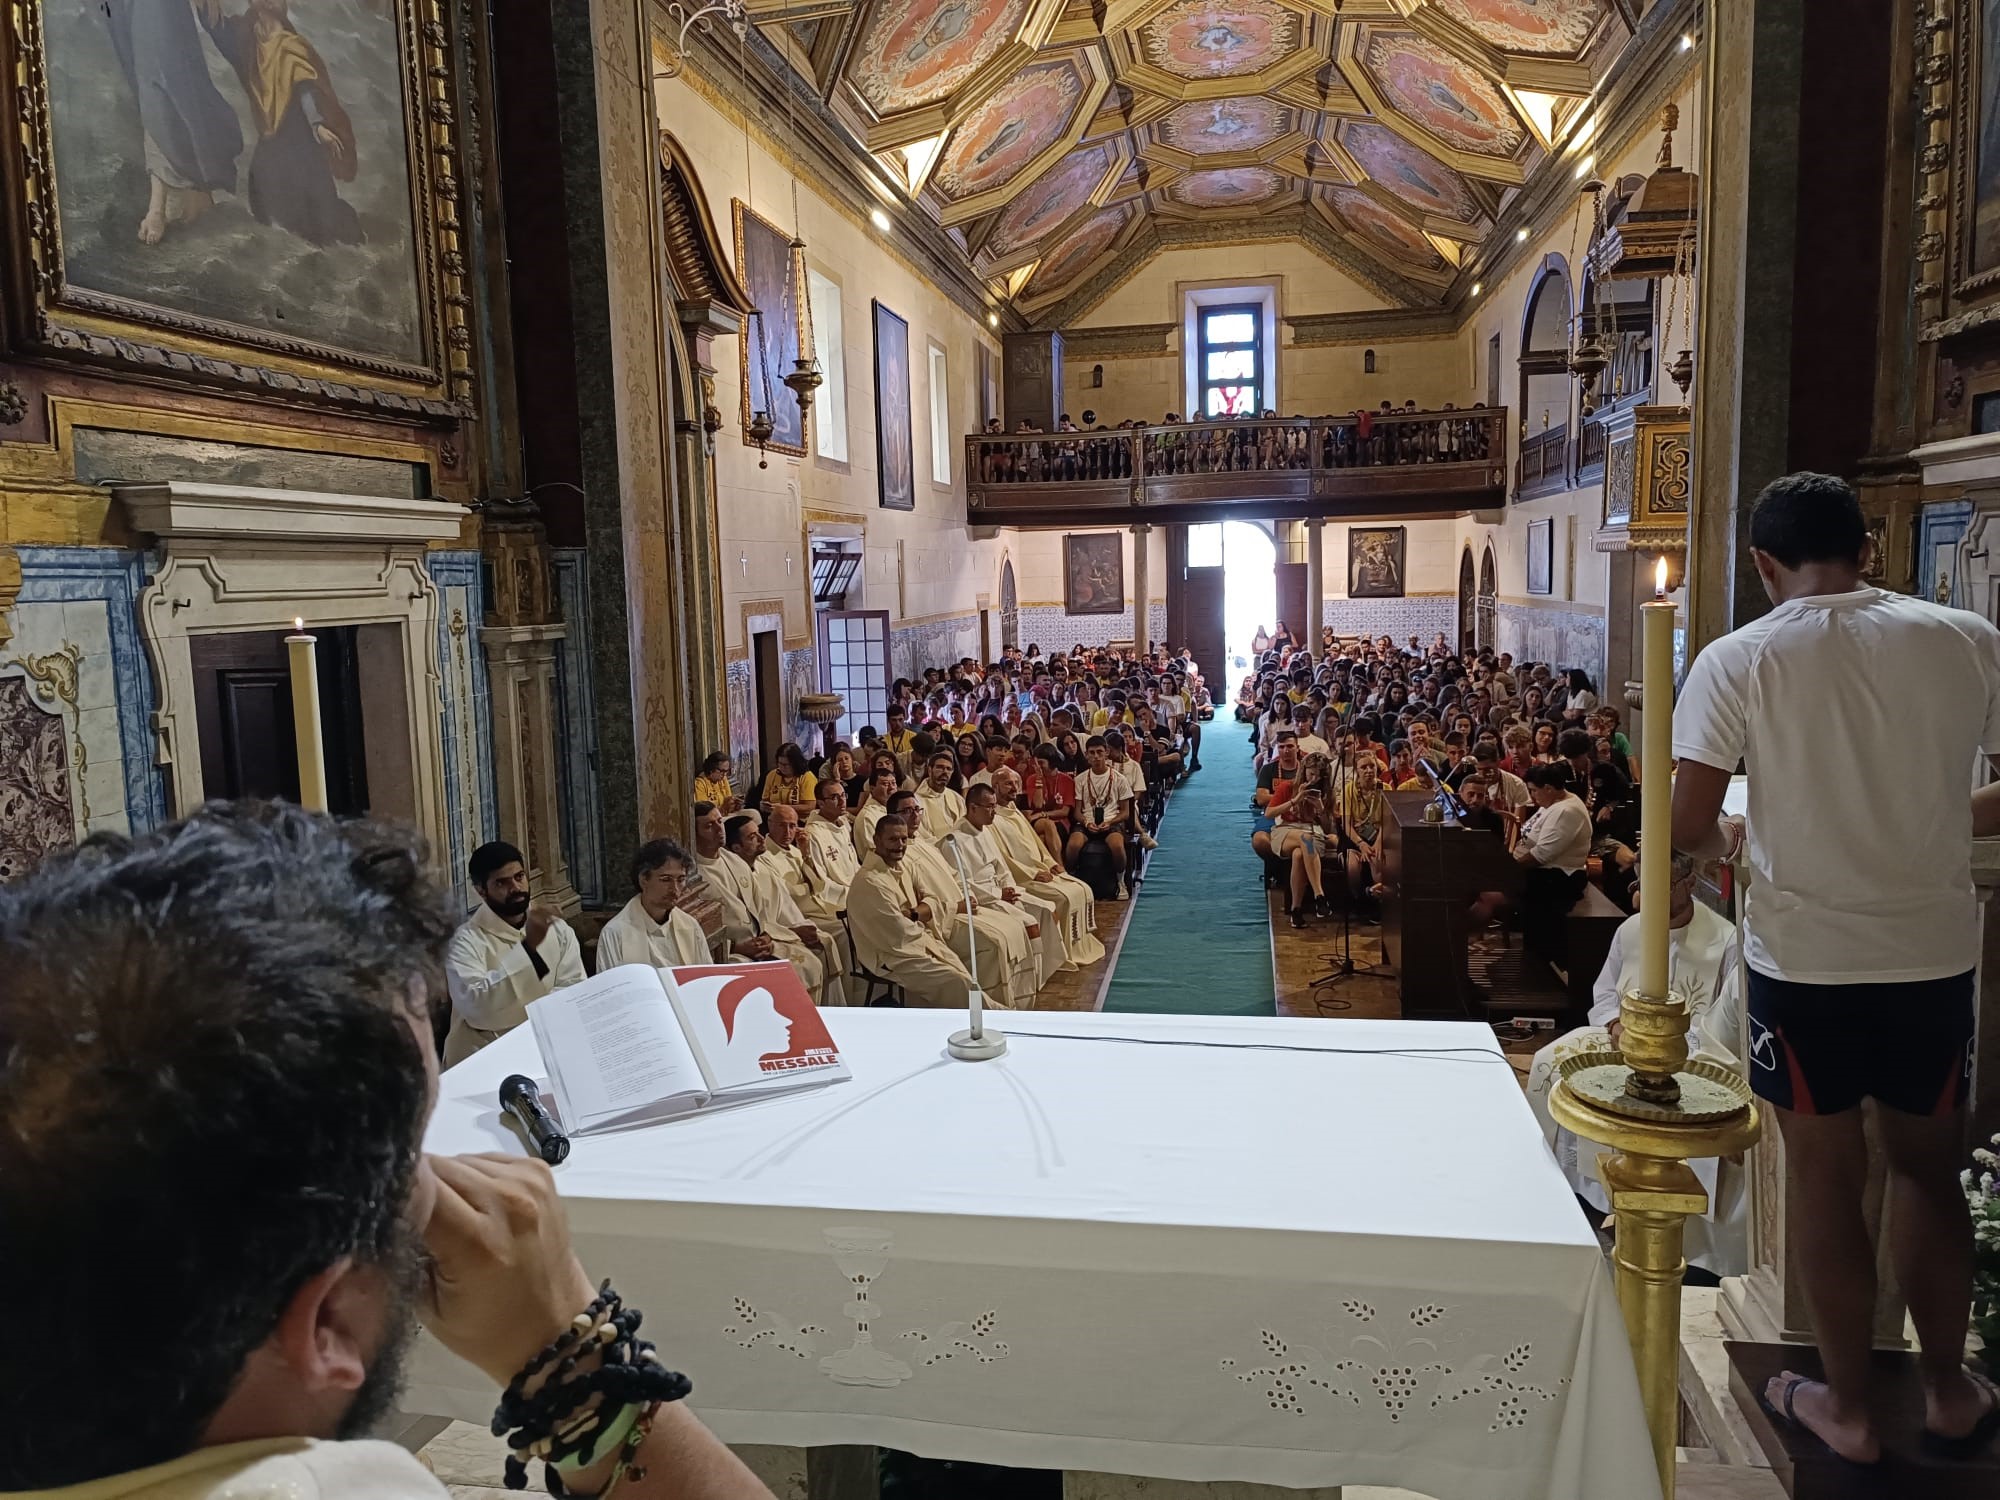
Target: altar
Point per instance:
(1194, 1248)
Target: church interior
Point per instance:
(599, 400)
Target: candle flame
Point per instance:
(1660, 578)
(299, 621)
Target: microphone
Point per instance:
(521, 1102)
(1445, 797)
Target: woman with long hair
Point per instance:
(971, 756)
(1364, 812)
(1543, 750)
(1582, 699)
(712, 784)
(791, 782)
(1534, 702)
(1302, 819)
(990, 728)
(1069, 753)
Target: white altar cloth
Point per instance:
(1201, 1262)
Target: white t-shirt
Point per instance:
(1859, 718)
(1559, 835)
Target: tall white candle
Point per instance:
(1656, 808)
(305, 717)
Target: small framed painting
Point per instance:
(895, 454)
(1541, 555)
(1375, 562)
(1094, 573)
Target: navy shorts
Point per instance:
(1819, 1049)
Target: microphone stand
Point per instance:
(1343, 966)
(975, 1043)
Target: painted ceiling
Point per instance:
(1058, 140)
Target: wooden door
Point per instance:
(1292, 607)
(243, 717)
(1202, 593)
(767, 679)
(1468, 606)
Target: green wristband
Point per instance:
(608, 1440)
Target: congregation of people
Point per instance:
(961, 845)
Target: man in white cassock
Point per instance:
(820, 897)
(943, 807)
(882, 784)
(776, 911)
(898, 932)
(1034, 870)
(651, 928)
(727, 878)
(991, 941)
(1701, 954)
(511, 950)
(993, 881)
(826, 842)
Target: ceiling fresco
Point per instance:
(1062, 142)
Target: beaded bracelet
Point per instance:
(572, 1419)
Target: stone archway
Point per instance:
(1468, 606)
(1489, 604)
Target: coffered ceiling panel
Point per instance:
(1061, 137)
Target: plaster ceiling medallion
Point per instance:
(1090, 240)
(1209, 127)
(1014, 126)
(1227, 187)
(1381, 230)
(1442, 95)
(1409, 172)
(915, 52)
(1558, 27)
(1197, 39)
(1050, 200)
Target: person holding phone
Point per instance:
(1103, 806)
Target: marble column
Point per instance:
(521, 673)
(1315, 586)
(1142, 588)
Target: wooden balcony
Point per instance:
(1545, 463)
(1409, 463)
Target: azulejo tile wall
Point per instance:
(931, 643)
(1055, 629)
(1419, 615)
(576, 728)
(76, 642)
(466, 711)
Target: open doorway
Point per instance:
(1248, 556)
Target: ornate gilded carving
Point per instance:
(55, 677)
(1934, 127)
(1667, 480)
(515, 545)
(1620, 473)
(13, 404)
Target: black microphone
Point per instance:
(521, 1101)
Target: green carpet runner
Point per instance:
(1199, 942)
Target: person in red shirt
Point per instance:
(1048, 797)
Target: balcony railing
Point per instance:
(1544, 458)
(1405, 460)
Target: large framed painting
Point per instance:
(1094, 573)
(773, 339)
(1541, 556)
(241, 193)
(1375, 562)
(895, 451)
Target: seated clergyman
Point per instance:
(651, 928)
(213, 1097)
(511, 950)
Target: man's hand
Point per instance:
(757, 948)
(922, 912)
(1010, 894)
(504, 1281)
(809, 935)
(540, 915)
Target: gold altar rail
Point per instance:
(1414, 463)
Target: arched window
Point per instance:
(1489, 605)
(1545, 381)
(1468, 606)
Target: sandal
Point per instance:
(1791, 1416)
(1973, 1443)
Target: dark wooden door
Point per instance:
(243, 717)
(1292, 601)
(1202, 593)
(768, 679)
(1468, 608)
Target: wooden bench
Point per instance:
(1587, 934)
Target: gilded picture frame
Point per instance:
(271, 240)
(1375, 562)
(1094, 573)
(1971, 252)
(773, 340)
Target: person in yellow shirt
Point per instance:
(791, 783)
(712, 785)
(900, 741)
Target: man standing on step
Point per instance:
(1862, 930)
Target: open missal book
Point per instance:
(636, 1044)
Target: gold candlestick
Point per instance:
(1649, 1102)
(305, 717)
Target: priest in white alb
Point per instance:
(727, 878)
(943, 807)
(511, 950)
(776, 911)
(993, 883)
(826, 842)
(901, 935)
(651, 928)
(1028, 857)
(875, 795)
(991, 941)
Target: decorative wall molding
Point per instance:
(465, 710)
(1119, 341)
(1403, 324)
(285, 517)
